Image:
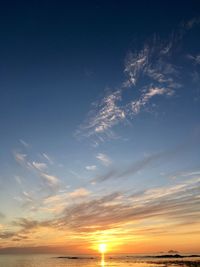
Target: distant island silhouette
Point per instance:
(173, 251)
(175, 256)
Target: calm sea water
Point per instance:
(118, 261)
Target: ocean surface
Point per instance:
(92, 261)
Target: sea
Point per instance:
(36, 260)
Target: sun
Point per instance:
(102, 248)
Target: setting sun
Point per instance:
(102, 248)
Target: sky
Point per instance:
(99, 126)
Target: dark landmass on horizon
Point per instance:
(178, 263)
(175, 256)
(75, 258)
(134, 256)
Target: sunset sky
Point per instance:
(99, 126)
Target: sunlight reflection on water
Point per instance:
(102, 260)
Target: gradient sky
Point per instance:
(99, 126)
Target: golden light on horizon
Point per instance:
(102, 248)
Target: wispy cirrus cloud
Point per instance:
(23, 160)
(175, 205)
(80, 192)
(24, 143)
(137, 105)
(132, 169)
(40, 168)
(51, 180)
(104, 159)
(150, 72)
(47, 157)
(7, 234)
(105, 114)
(147, 78)
(91, 167)
(141, 164)
(185, 174)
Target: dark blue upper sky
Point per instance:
(53, 52)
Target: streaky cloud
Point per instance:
(47, 157)
(135, 167)
(50, 180)
(104, 159)
(79, 193)
(91, 167)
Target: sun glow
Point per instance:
(102, 248)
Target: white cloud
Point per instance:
(20, 158)
(104, 159)
(27, 196)
(51, 180)
(135, 64)
(37, 168)
(186, 174)
(104, 116)
(47, 157)
(80, 192)
(91, 167)
(156, 91)
(152, 67)
(25, 144)
(39, 165)
(136, 106)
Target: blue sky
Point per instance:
(98, 100)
